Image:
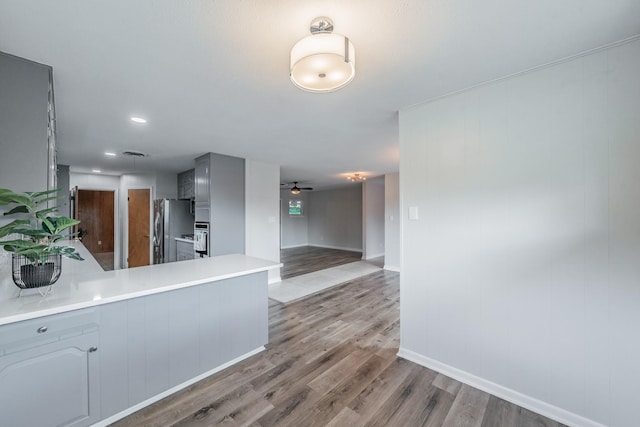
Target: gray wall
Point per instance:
(64, 204)
(521, 272)
(335, 218)
(262, 196)
(373, 217)
(295, 229)
(392, 221)
(23, 124)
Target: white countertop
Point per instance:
(181, 239)
(84, 284)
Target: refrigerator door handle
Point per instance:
(157, 229)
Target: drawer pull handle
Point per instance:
(42, 329)
(93, 349)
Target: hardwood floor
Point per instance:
(105, 259)
(331, 361)
(307, 259)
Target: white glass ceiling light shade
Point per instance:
(323, 61)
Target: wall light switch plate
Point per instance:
(271, 219)
(413, 213)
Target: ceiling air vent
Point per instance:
(133, 153)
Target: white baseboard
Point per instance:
(294, 246)
(392, 268)
(558, 414)
(374, 256)
(274, 280)
(135, 408)
(336, 247)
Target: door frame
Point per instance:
(125, 228)
(116, 218)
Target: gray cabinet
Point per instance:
(186, 184)
(49, 371)
(156, 342)
(220, 201)
(202, 181)
(184, 250)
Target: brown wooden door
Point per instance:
(95, 211)
(139, 223)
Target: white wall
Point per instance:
(88, 181)
(521, 274)
(262, 198)
(335, 218)
(392, 221)
(373, 218)
(295, 229)
(23, 124)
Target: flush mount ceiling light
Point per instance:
(356, 177)
(323, 61)
(138, 120)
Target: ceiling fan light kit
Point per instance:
(296, 190)
(323, 61)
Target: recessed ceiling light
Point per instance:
(96, 170)
(138, 120)
(109, 153)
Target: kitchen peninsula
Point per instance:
(104, 344)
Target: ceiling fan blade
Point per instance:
(306, 188)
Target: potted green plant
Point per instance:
(36, 258)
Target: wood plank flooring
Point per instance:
(307, 259)
(105, 259)
(331, 361)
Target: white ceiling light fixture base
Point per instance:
(322, 61)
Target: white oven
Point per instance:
(201, 239)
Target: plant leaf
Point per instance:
(10, 228)
(8, 197)
(66, 251)
(42, 193)
(48, 224)
(17, 209)
(41, 201)
(35, 250)
(63, 222)
(42, 213)
(32, 233)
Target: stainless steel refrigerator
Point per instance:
(171, 219)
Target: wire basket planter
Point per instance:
(36, 275)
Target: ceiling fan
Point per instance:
(296, 190)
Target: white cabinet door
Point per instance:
(55, 384)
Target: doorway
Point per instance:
(95, 209)
(139, 222)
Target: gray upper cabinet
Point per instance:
(186, 184)
(220, 201)
(202, 180)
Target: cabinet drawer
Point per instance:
(183, 256)
(21, 335)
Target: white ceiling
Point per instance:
(212, 75)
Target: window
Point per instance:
(295, 208)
